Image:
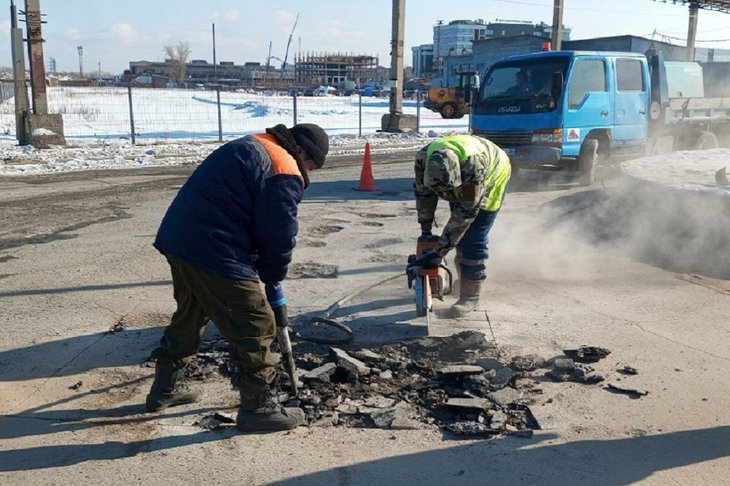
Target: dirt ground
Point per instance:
(84, 298)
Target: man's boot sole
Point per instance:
(274, 422)
(155, 403)
(461, 310)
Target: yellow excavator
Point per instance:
(453, 102)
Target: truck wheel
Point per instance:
(448, 110)
(707, 140)
(588, 162)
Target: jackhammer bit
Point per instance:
(275, 296)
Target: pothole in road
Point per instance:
(383, 242)
(324, 230)
(377, 215)
(64, 233)
(312, 270)
(386, 259)
(306, 242)
(459, 384)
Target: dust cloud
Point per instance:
(569, 237)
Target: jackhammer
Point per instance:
(277, 300)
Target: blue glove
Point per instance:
(275, 295)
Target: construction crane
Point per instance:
(268, 58)
(286, 54)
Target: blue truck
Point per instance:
(577, 110)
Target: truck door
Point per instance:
(587, 104)
(631, 100)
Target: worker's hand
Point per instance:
(429, 260)
(426, 228)
(275, 295)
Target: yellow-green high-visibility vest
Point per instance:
(465, 146)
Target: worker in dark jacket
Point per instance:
(232, 224)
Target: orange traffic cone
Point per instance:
(367, 183)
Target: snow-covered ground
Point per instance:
(181, 126)
(692, 170)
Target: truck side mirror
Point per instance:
(556, 85)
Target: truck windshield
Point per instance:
(520, 86)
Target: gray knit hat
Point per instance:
(313, 139)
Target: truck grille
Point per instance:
(506, 138)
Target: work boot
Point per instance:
(260, 411)
(167, 389)
(469, 293)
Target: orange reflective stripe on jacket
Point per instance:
(281, 161)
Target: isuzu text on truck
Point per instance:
(574, 109)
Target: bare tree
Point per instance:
(177, 55)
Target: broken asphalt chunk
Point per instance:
(470, 428)
(505, 396)
(587, 354)
(367, 356)
(633, 392)
(628, 370)
(351, 364)
(490, 363)
(529, 362)
(215, 421)
(567, 370)
(395, 417)
(321, 373)
(461, 370)
(502, 378)
(469, 404)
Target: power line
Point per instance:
(685, 39)
(517, 2)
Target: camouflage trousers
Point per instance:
(238, 309)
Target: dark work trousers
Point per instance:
(240, 312)
(472, 251)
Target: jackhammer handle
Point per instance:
(282, 336)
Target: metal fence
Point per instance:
(143, 115)
(7, 89)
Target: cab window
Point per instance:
(629, 75)
(589, 75)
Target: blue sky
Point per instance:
(115, 32)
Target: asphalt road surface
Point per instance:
(567, 267)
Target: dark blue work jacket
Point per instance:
(236, 216)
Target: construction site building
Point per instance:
(337, 70)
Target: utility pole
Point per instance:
(557, 34)
(22, 108)
(80, 50)
(217, 88)
(692, 31)
(215, 62)
(45, 128)
(396, 121)
(35, 54)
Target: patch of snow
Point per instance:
(692, 170)
(38, 132)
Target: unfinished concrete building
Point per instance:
(339, 70)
